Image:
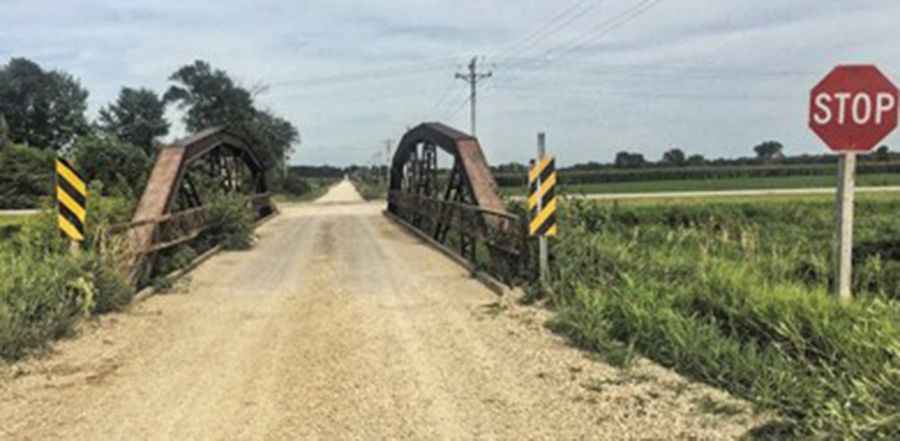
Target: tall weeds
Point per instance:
(45, 289)
(736, 295)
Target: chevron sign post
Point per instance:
(542, 202)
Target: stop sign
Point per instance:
(853, 108)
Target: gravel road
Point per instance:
(338, 325)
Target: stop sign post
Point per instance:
(852, 109)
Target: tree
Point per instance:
(273, 135)
(209, 96)
(42, 109)
(4, 132)
(136, 117)
(696, 160)
(674, 157)
(212, 99)
(883, 153)
(769, 150)
(27, 174)
(123, 168)
(629, 160)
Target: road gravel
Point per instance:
(339, 325)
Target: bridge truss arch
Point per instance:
(185, 177)
(458, 207)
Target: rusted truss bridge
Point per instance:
(460, 211)
(174, 208)
(457, 209)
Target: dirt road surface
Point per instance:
(338, 325)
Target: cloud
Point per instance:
(708, 76)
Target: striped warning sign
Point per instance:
(542, 198)
(71, 198)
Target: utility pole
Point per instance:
(472, 78)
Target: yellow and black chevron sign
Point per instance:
(542, 198)
(71, 198)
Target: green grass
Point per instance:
(10, 225)
(12, 220)
(370, 189)
(747, 183)
(736, 294)
(318, 187)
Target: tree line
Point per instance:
(43, 112)
(768, 153)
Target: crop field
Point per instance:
(735, 293)
(717, 184)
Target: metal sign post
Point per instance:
(852, 109)
(843, 253)
(543, 250)
(542, 203)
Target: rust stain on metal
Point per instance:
(462, 207)
(170, 170)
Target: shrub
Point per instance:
(42, 295)
(232, 222)
(27, 175)
(121, 167)
(45, 288)
(295, 185)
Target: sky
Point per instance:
(710, 77)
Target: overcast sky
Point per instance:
(709, 76)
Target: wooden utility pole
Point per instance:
(472, 78)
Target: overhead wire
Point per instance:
(551, 27)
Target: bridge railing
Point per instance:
(174, 229)
(495, 242)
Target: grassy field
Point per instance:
(718, 184)
(318, 187)
(735, 293)
(11, 220)
(9, 225)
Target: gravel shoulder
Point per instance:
(339, 325)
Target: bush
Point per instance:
(26, 176)
(121, 167)
(42, 295)
(45, 289)
(294, 185)
(232, 222)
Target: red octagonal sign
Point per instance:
(853, 108)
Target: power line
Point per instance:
(599, 31)
(535, 35)
(626, 18)
(368, 75)
(554, 28)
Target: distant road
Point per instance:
(18, 212)
(725, 193)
